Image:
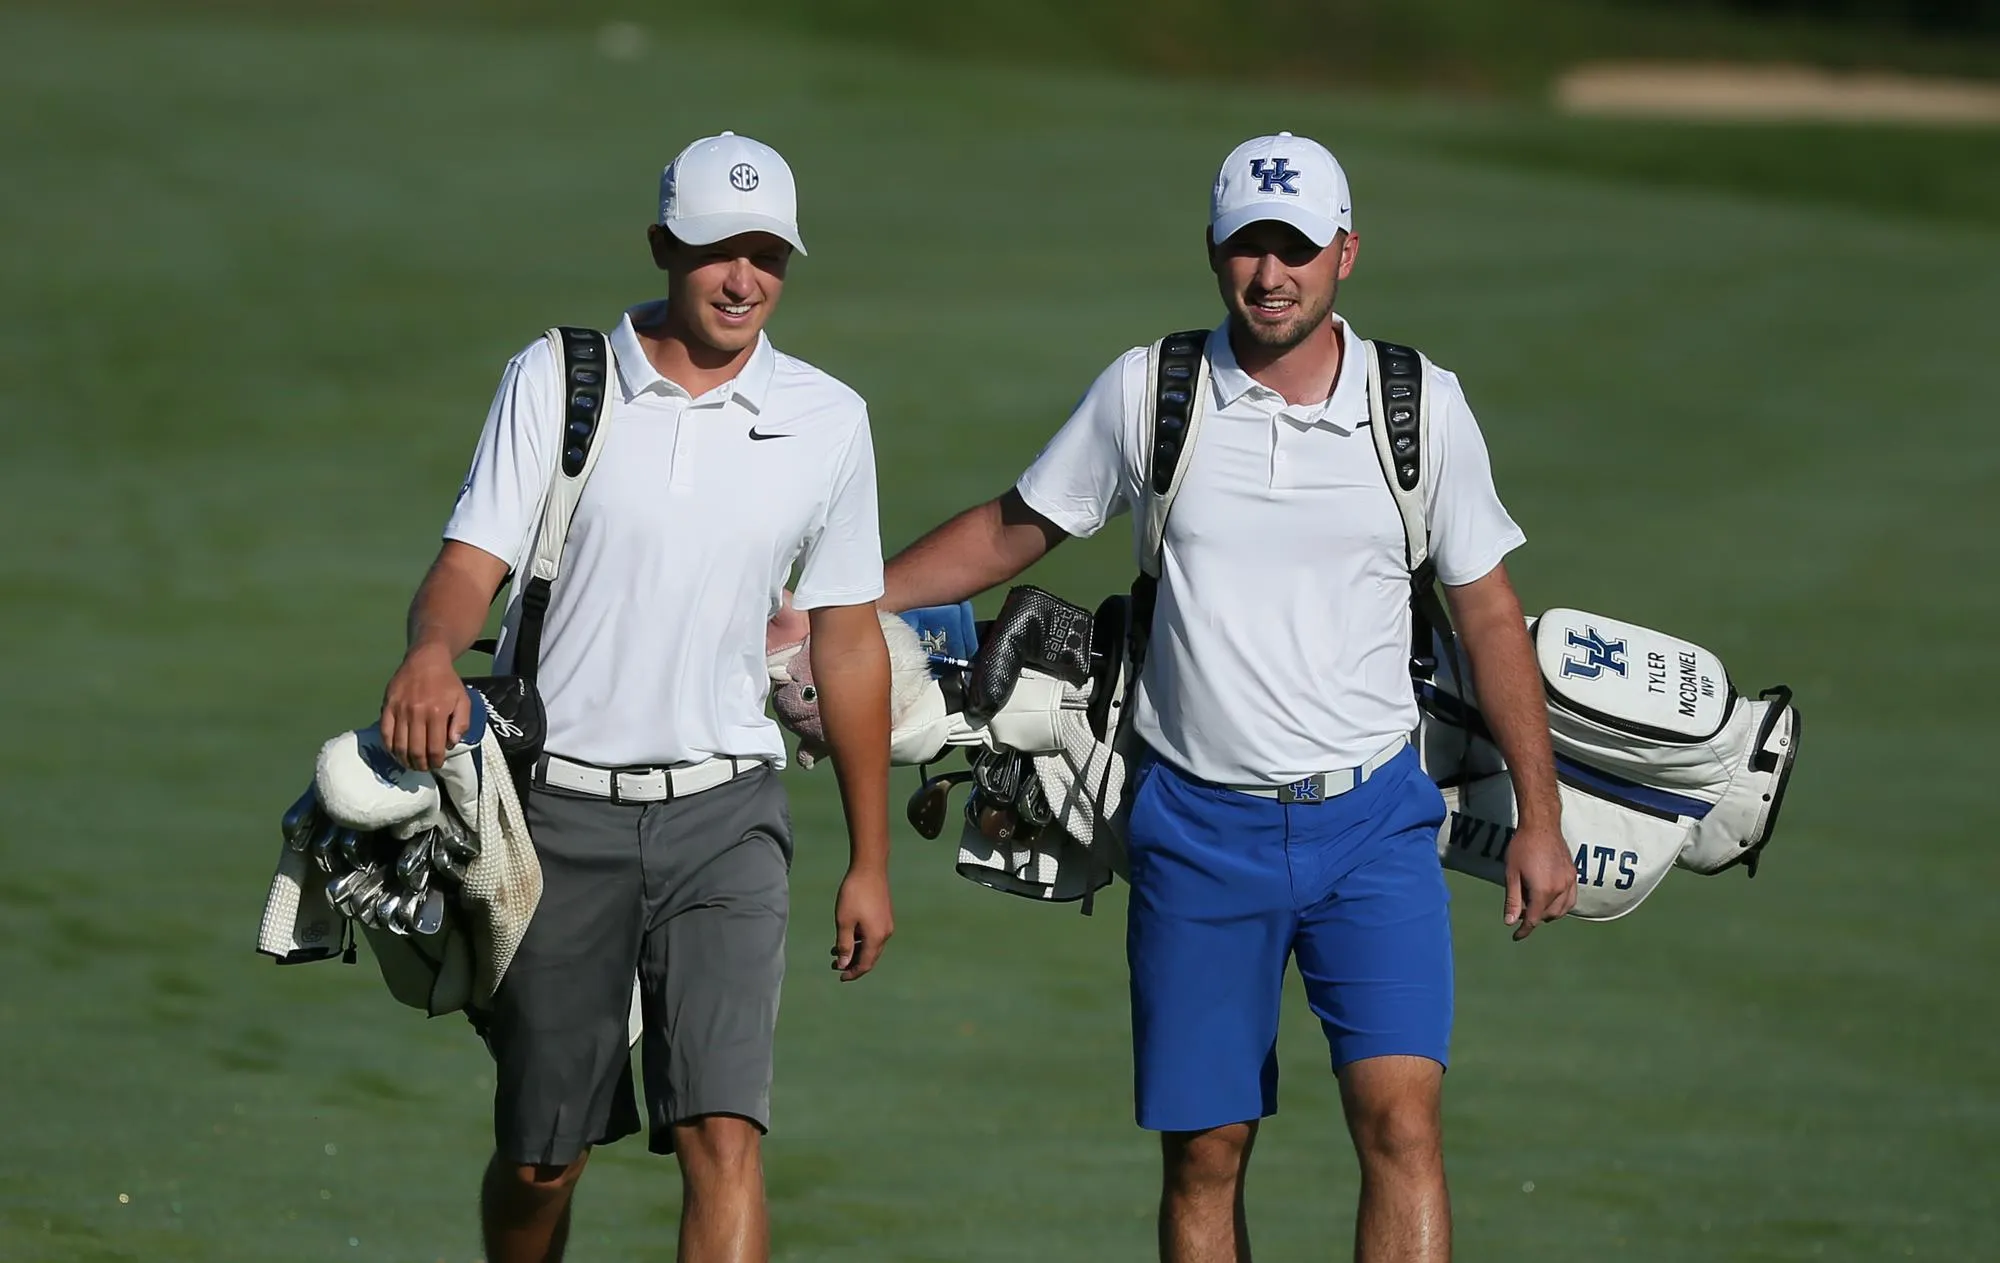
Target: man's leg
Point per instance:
(1375, 956)
(1392, 1106)
(1207, 927)
(711, 968)
(558, 1028)
(524, 1210)
(1201, 1198)
(722, 1190)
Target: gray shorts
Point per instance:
(691, 895)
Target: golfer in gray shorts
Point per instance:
(656, 810)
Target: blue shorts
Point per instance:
(1226, 887)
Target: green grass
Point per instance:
(1491, 48)
(261, 280)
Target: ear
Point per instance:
(1350, 249)
(1208, 237)
(662, 244)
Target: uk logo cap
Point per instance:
(724, 185)
(1284, 177)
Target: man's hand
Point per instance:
(425, 709)
(850, 667)
(862, 921)
(1541, 880)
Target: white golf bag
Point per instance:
(1659, 761)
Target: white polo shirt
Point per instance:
(1281, 639)
(697, 510)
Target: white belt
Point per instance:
(1321, 786)
(639, 784)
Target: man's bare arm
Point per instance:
(424, 709)
(1541, 881)
(850, 667)
(981, 548)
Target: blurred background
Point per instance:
(1719, 279)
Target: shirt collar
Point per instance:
(638, 376)
(1345, 408)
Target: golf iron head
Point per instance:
(429, 917)
(928, 807)
(341, 890)
(416, 858)
(298, 821)
(366, 898)
(353, 847)
(445, 862)
(320, 846)
(389, 914)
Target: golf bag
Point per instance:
(1660, 761)
(438, 871)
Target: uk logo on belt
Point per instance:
(1598, 654)
(1275, 176)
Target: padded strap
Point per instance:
(1176, 398)
(1177, 372)
(1400, 409)
(585, 357)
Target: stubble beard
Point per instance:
(1277, 339)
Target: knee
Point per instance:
(1400, 1137)
(529, 1186)
(719, 1146)
(1206, 1159)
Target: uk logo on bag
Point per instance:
(1599, 655)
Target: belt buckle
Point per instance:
(1309, 792)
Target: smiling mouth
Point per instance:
(1271, 305)
(734, 311)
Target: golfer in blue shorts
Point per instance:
(1280, 652)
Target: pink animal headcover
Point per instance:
(794, 696)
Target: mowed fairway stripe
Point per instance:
(262, 280)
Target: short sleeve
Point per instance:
(501, 499)
(1471, 532)
(1083, 478)
(841, 563)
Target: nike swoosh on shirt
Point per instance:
(761, 437)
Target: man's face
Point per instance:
(1278, 285)
(723, 293)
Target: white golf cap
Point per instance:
(723, 185)
(1284, 177)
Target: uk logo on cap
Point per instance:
(1275, 176)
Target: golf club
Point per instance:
(430, 914)
(416, 857)
(321, 843)
(353, 847)
(932, 800)
(298, 821)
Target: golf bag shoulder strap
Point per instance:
(1177, 381)
(584, 358)
(1176, 389)
(1399, 412)
(1399, 415)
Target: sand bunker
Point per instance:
(1724, 93)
